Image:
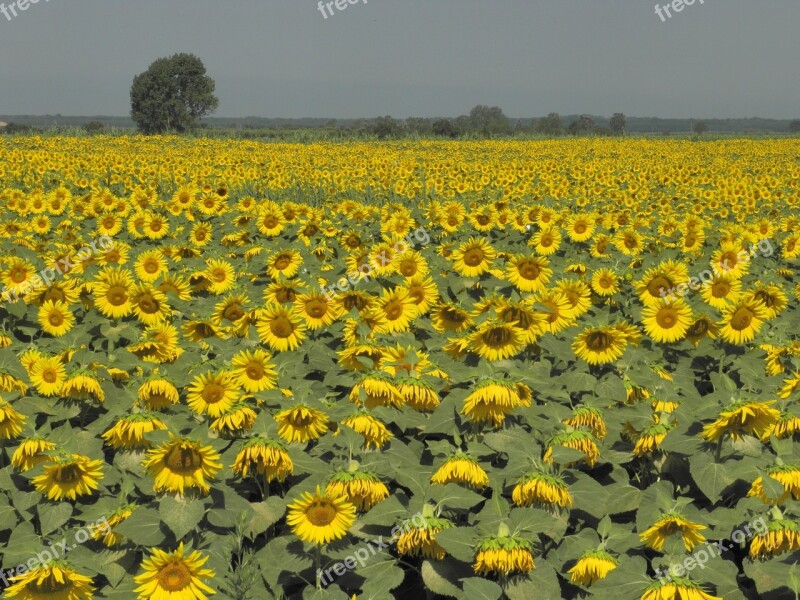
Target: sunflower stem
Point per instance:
(718, 451)
(317, 565)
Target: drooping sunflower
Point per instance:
(301, 424)
(420, 540)
(591, 418)
(787, 475)
(10, 421)
(32, 451)
(174, 576)
(376, 389)
(56, 580)
(127, 433)
(782, 535)
(418, 394)
(503, 555)
(743, 417)
(82, 385)
(320, 518)
(265, 457)
(669, 524)
(591, 567)
(667, 322)
(182, 464)
(473, 258)
(280, 328)
(374, 432)
(158, 393)
(678, 588)
(69, 476)
(107, 535)
(541, 488)
(582, 441)
(234, 421)
(493, 399)
(599, 346)
(461, 468)
(362, 489)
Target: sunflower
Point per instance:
(82, 385)
(361, 488)
(658, 282)
(450, 317)
(284, 263)
(221, 276)
(605, 282)
(523, 316)
(473, 258)
(744, 417)
(107, 534)
(591, 418)
(579, 296)
(158, 393)
(301, 424)
(669, 524)
(702, 328)
(411, 264)
(280, 329)
(503, 555)
(648, 440)
(149, 304)
(374, 432)
(790, 386)
(31, 452)
(421, 540)
(173, 575)
(496, 340)
(721, 290)
(395, 310)
(418, 394)
(728, 259)
(742, 320)
(54, 581)
(201, 235)
(10, 421)
(181, 464)
(213, 393)
(667, 322)
(557, 307)
(546, 241)
(128, 431)
(253, 370)
(376, 389)
(591, 567)
(529, 273)
(583, 441)
(264, 457)
(232, 310)
(493, 399)
(599, 346)
(461, 468)
(112, 293)
(320, 518)
(423, 292)
(316, 310)
(56, 318)
(150, 265)
(782, 535)
(580, 227)
(541, 488)
(677, 589)
(69, 476)
(787, 475)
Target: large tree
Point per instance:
(172, 95)
(489, 120)
(617, 124)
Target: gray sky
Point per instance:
(282, 58)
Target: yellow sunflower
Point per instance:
(280, 329)
(54, 581)
(56, 318)
(174, 576)
(181, 464)
(301, 424)
(69, 476)
(320, 518)
(669, 524)
(667, 322)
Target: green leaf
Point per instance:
(143, 527)
(477, 588)
(53, 516)
(709, 476)
(181, 515)
(440, 577)
(265, 514)
(458, 542)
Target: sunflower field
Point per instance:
(478, 370)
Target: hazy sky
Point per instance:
(282, 58)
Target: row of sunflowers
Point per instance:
(471, 370)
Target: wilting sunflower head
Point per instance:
(678, 588)
(669, 524)
(128, 432)
(158, 393)
(174, 575)
(374, 432)
(320, 518)
(182, 464)
(57, 580)
(361, 488)
(264, 457)
(743, 417)
(68, 476)
(461, 468)
(592, 566)
(31, 452)
(418, 537)
(503, 555)
(542, 489)
(782, 535)
(301, 424)
(10, 421)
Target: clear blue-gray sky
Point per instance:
(282, 58)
